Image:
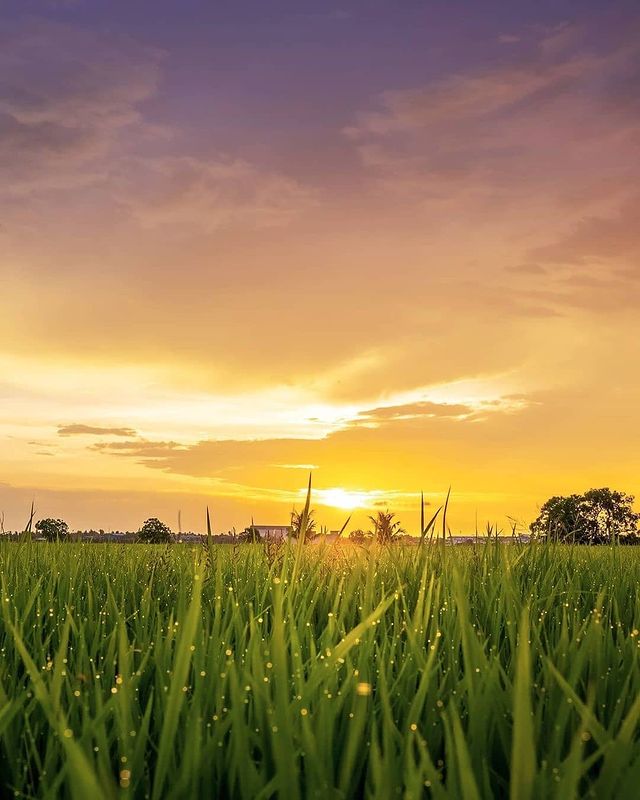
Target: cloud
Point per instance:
(66, 95)
(215, 459)
(73, 121)
(615, 237)
(593, 266)
(554, 117)
(77, 429)
(421, 410)
(361, 437)
(207, 195)
(461, 98)
(538, 148)
(141, 449)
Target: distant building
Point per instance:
(273, 532)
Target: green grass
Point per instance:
(141, 671)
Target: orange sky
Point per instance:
(225, 262)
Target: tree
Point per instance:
(385, 528)
(53, 530)
(559, 518)
(596, 517)
(359, 536)
(250, 534)
(155, 532)
(297, 522)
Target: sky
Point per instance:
(395, 244)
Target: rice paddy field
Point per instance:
(249, 672)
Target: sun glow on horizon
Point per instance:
(345, 499)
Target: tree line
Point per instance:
(598, 516)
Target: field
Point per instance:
(491, 671)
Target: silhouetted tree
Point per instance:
(250, 534)
(595, 517)
(385, 527)
(53, 530)
(297, 520)
(360, 537)
(154, 532)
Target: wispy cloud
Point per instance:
(142, 449)
(599, 239)
(72, 118)
(206, 195)
(67, 94)
(532, 122)
(419, 410)
(78, 429)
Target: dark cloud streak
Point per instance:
(78, 429)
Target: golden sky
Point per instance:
(395, 246)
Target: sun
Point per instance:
(341, 498)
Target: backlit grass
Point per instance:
(480, 672)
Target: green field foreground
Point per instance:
(178, 672)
